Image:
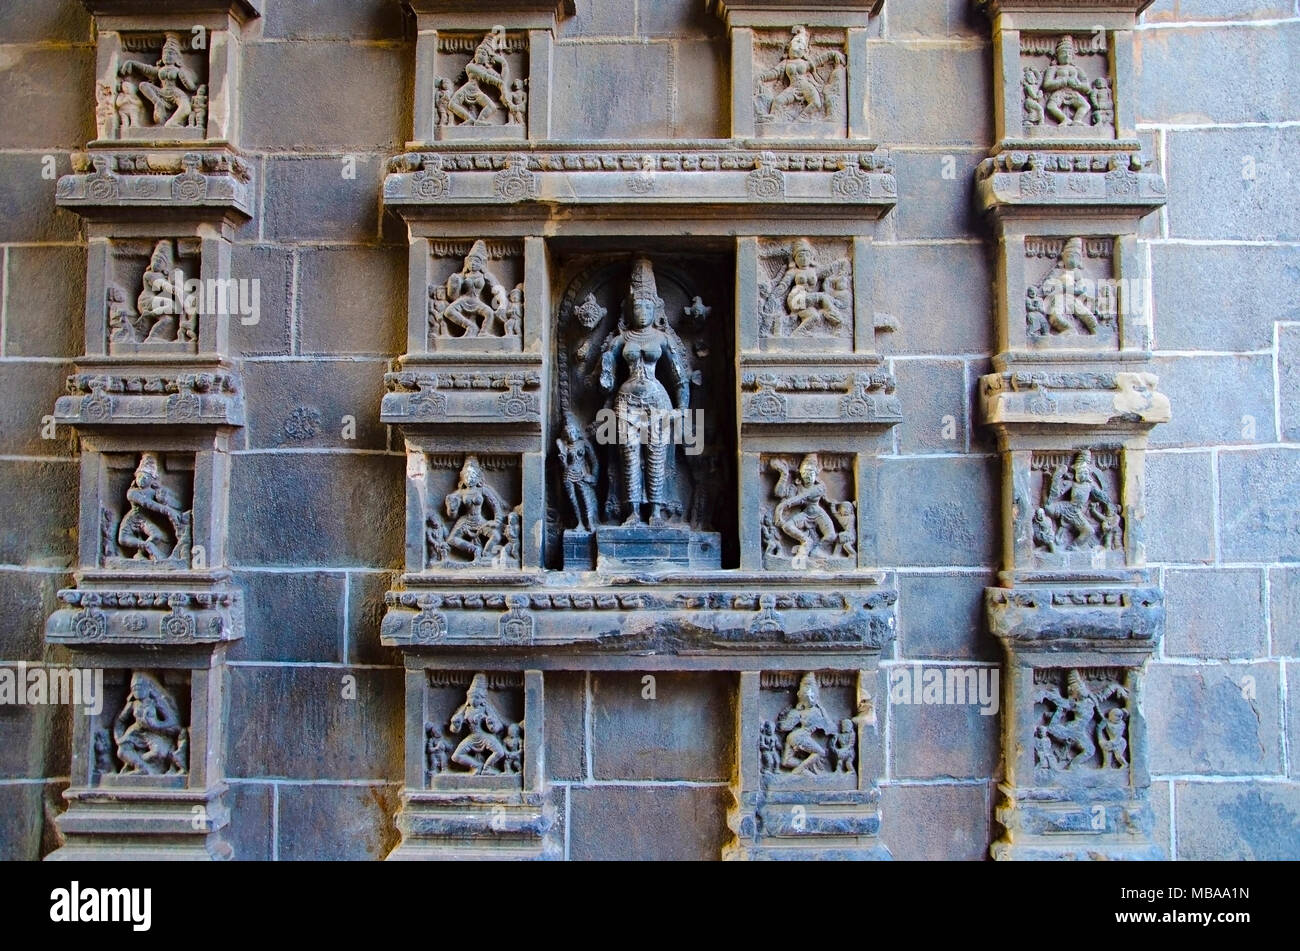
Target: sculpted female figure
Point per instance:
(644, 345)
(473, 533)
(484, 722)
(171, 83)
(141, 530)
(807, 718)
(798, 68)
(148, 731)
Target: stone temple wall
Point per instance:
(310, 643)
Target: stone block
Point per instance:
(291, 616)
(45, 303)
(952, 313)
(936, 19)
(933, 393)
(1288, 379)
(676, 17)
(272, 333)
(945, 100)
(300, 723)
(1238, 822)
(1234, 183)
(941, 823)
(27, 394)
(252, 821)
(1222, 297)
(315, 201)
(941, 616)
(1180, 503)
(942, 741)
(27, 598)
(1215, 613)
(37, 113)
(27, 812)
(1215, 75)
(1284, 611)
(1213, 719)
(337, 823)
(702, 80)
(952, 521)
(934, 194)
(37, 736)
(676, 726)
(332, 110)
(1200, 11)
(365, 613)
(648, 823)
(598, 18)
(321, 509)
(566, 728)
(332, 20)
(54, 21)
(311, 405)
(27, 210)
(335, 318)
(1258, 517)
(610, 91)
(1292, 715)
(1221, 400)
(38, 513)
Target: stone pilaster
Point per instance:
(1072, 399)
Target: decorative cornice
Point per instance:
(106, 181)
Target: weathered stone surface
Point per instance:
(282, 112)
(934, 194)
(906, 113)
(631, 82)
(674, 726)
(935, 822)
(951, 315)
(566, 730)
(333, 20)
(674, 17)
(252, 821)
(941, 616)
(323, 723)
(272, 331)
(1213, 719)
(39, 525)
(36, 736)
(291, 616)
(1178, 483)
(334, 318)
(1250, 174)
(1284, 610)
(26, 819)
(1200, 11)
(27, 598)
(1234, 395)
(56, 21)
(1288, 374)
(337, 822)
(1257, 512)
(27, 209)
(365, 613)
(289, 409)
(1198, 290)
(933, 393)
(1198, 602)
(952, 523)
(1245, 821)
(318, 203)
(65, 122)
(943, 741)
(27, 394)
(45, 301)
(303, 509)
(652, 823)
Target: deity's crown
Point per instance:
(172, 44)
(1065, 48)
(642, 284)
(477, 250)
(161, 260)
(148, 465)
(1073, 245)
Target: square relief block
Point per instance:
(1067, 86)
(474, 730)
(643, 431)
(151, 305)
(1080, 726)
(805, 295)
(1073, 299)
(146, 511)
(810, 729)
(481, 85)
(1075, 506)
(801, 82)
(809, 516)
(469, 510)
(154, 86)
(476, 295)
(141, 738)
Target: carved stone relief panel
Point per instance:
(158, 89)
(809, 514)
(476, 296)
(146, 510)
(1080, 724)
(805, 295)
(147, 306)
(481, 85)
(471, 509)
(1066, 84)
(800, 82)
(642, 431)
(1073, 299)
(142, 734)
(474, 729)
(1077, 508)
(809, 731)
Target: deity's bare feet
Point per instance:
(633, 519)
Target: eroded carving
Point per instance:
(473, 302)
(1084, 725)
(157, 524)
(1059, 96)
(1078, 506)
(492, 744)
(148, 732)
(145, 97)
(476, 527)
(1077, 296)
(484, 92)
(804, 740)
(163, 314)
(807, 298)
(802, 81)
(804, 526)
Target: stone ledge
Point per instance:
(781, 391)
(167, 181)
(1112, 180)
(132, 395)
(1083, 398)
(1064, 618)
(488, 396)
(95, 616)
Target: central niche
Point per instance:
(642, 439)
